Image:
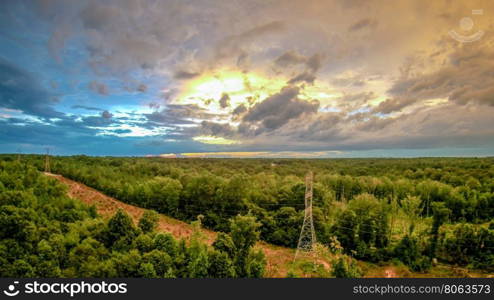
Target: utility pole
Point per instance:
(47, 161)
(307, 237)
(19, 152)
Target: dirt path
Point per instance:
(278, 258)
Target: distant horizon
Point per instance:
(232, 156)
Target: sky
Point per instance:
(257, 78)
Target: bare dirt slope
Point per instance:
(278, 258)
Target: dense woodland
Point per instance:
(418, 211)
(43, 233)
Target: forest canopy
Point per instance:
(417, 211)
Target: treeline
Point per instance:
(43, 233)
(376, 209)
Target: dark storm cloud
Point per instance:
(374, 123)
(314, 62)
(279, 109)
(216, 129)
(392, 105)
(239, 109)
(468, 77)
(175, 114)
(224, 100)
(310, 66)
(106, 114)
(303, 77)
(425, 128)
(21, 90)
(325, 127)
(482, 95)
(290, 58)
(184, 74)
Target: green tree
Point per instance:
(224, 243)
(148, 221)
(120, 231)
(345, 267)
(161, 261)
(364, 227)
(220, 265)
(410, 254)
(244, 233)
(440, 216)
(164, 194)
(166, 243)
(411, 208)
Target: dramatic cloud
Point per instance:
(225, 100)
(304, 77)
(134, 77)
(290, 58)
(279, 109)
(392, 105)
(239, 109)
(21, 90)
(182, 74)
(106, 114)
(215, 129)
(465, 77)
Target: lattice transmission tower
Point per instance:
(307, 237)
(47, 161)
